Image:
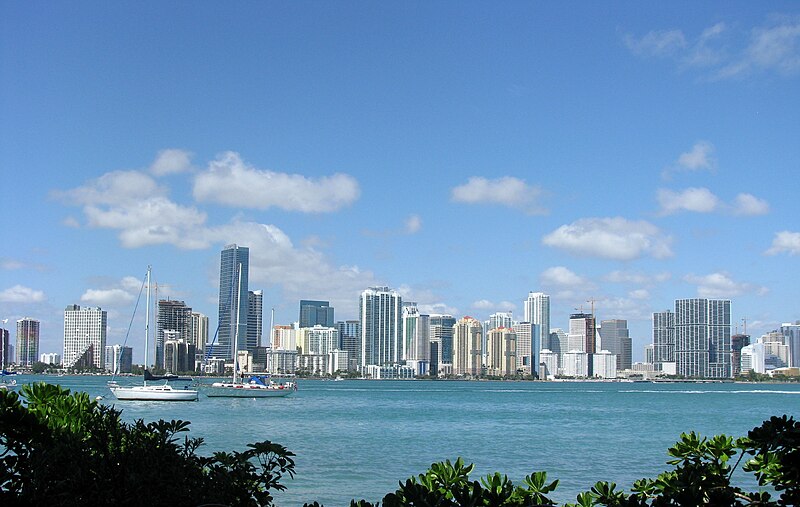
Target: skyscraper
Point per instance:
(84, 337)
(380, 311)
(501, 352)
(528, 348)
(350, 341)
(703, 337)
(119, 359)
(234, 270)
(416, 334)
(663, 338)
(5, 353)
(199, 335)
(27, 341)
(615, 338)
(537, 311)
(467, 347)
(791, 336)
(255, 318)
(175, 318)
(738, 342)
(442, 334)
(316, 312)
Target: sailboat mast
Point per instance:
(146, 323)
(235, 343)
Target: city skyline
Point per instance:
(604, 153)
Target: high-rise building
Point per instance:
(559, 344)
(234, 271)
(791, 336)
(314, 313)
(317, 339)
(467, 347)
(703, 337)
(175, 318)
(27, 341)
(5, 353)
(350, 341)
(84, 337)
(442, 334)
(528, 348)
(499, 319)
(199, 334)
(663, 338)
(501, 352)
(119, 359)
(53, 358)
(381, 313)
(284, 338)
(615, 338)
(604, 364)
(738, 342)
(416, 334)
(537, 311)
(255, 318)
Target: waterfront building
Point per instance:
(380, 311)
(255, 318)
(582, 333)
(27, 341)
(753, 359)
(281, 362)
(537, 311)
(416, 335)
(350, 341)
(84, 337)
(5, 353)
(649, 353)
(53, 358)
(174, 318)
(467, 347)
(528, 348)
(499, 319)
(199, 331)
(315, 364)
(388, 372)
(559, 344)
(317, 339)
(442, 333)
(283, 338)
(576, 364)
(738, 341)
(337, 361)
(604, 364)
(776, 353)
(179, 356)
(703, 337)
(791, 337)
(501, 352)
(234, 271)
(663, 338)
(549, 364)
(615, 338)
(119, 359)
(314, 313)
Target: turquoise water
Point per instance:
(357, 439)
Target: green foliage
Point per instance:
(65, 449)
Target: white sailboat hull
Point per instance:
(240, 390)
(154, 393)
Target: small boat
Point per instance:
(257, 386)
(144, 392)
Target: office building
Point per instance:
(84, 337)
(663, 338)
(381, 313)
(615, 338)
(604, 364)
(467, 347)
(576, 364)
(313, 313)
(548, 367)
(119, 359)
(27, 342)
(442, 334)
(703, 338)
(234, 271)
(350, 341)
(791, 336)
(537, 311)
(173, 318)
(255, 318)
(738, 342)
(5, 352)
(199, 334)
(416, 336)
(528, 348)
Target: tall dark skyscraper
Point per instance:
(234, 270)
(442, 333)
(315, 312)
(255, 319)
(350, 340)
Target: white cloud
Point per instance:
(698, 200)
(657, 43)
(785, 242)
(773, 47)
(230, 181)
(171, 161)
(699, 157)
(115, 188)
(721, 285)
(438, 309)
(413, 224)
(488, 306)
(631, 277)
(428, 302)
(559, 276)
(71, 222)
(11, 264)
(506, 191)
(639, 294)
(610, 238)
(106, 297)
(21, 294)
(750, 205)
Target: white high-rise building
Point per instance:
(380, 313)
(501, 352)
(753, 358)
(84, 336)
(703, 338)
(576, 364)
(416, 334)
(199, 331)
(284, 338)
(50, 358)
(604, 364)
(549, 364)
(318, 339)
(27, 341)
(537, 311)
(528, 347)
(791, 337)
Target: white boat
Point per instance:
(155, 392)
(257, 386)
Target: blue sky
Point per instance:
(464, 153)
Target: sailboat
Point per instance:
(256, 386)
(153, 392)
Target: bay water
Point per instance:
(359, 438)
